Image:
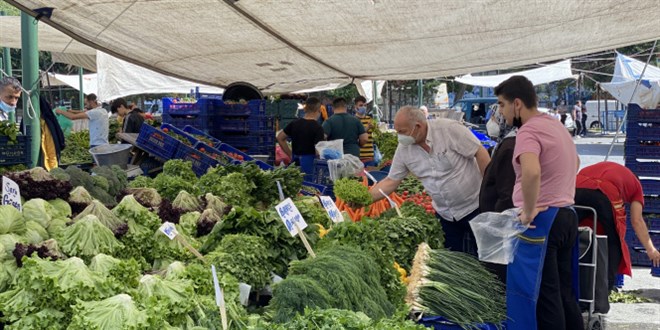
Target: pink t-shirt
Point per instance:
(547, 138)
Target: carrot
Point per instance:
(365, 181)
(339, 203)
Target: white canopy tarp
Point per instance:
(90, 81)
(284, 45)
(117, 78)
(627, 71)
(543, 75)
(366, 88)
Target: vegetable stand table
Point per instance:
(141, 156)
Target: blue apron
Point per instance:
(306, 163)
(523, 280)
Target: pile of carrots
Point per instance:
(374, 210)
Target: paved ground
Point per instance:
(621, 316)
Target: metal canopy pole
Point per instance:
(30, 63)
(81, 95)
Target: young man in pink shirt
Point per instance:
(545, 162)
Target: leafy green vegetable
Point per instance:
(186, 202)
(38, 210)
(77, 149)
(79, 198)
(387, 144)
(62, 208)
(180, 168)
(37, 183)
(353, 192)
(116, 312)
(628, 297)
(233, 188)
(245, 257)
(10, 130)
(35, 233)
(339, 277)
(123, 273)
(340, 319)
(104, 215)
(88, 237)
(141, 182)
(172, 296)
(172, 249)
(11, 220)
(169, 186)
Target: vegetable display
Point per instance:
(455, 286)
(352, 192)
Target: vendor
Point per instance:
(450, 162)
(544, 160)
(10, 92)
(132, 115)
(305, 133)
(607, 187)
(98, 120)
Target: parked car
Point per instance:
(475, 109)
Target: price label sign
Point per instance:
(330, 207)
(169, 230)
(11, 194)
(291, 217)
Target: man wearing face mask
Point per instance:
(366, 150)
(450, 162)
(545, 162)
(499, 177)
(10, 92)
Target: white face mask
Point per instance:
(6, 107)
(493, 128)
(406, 140)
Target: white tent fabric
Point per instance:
(284, 45)
(90, 81)
(117, 78)
(80, 60)
(627, 71)
(543, 75)
(366, 88)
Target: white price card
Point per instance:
(169, 230)
(244, 293)
(11, 194)
(330, 207)
(219, 297)
(291, 217)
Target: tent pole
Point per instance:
(420, 93)
(81, 95)
(6, 65)
(30, 62)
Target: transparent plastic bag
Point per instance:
(348, 166)
(330, 149)
(496, 233)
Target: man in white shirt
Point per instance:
(10, 92)
(98, 120)
(449, 160)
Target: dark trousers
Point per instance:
(596, 199)
(578, 127)
(458, 234)
(557, 307)
(584, 124)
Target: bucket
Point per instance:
(111, 154)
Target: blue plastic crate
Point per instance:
(313, 189)
(651, 186)
(200, 161)
(321, 173)
(637, 114)
(180, 132)
(197, 133)
(247, 141)
(18, 153)
(246, 125)
(205, 106)
(227, 149)
(251, 108)
(643, 168)
(636, 150)
(652, 204)
(655, 271)
(214, 153)
(441, 323)
(200, 122)
(643, 131)
(157, 142)
(652, 221)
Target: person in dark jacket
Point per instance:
(499, 177)
(133, 118)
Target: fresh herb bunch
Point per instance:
(10, 130)
(352, 192)
(76, 150)
(386, 142)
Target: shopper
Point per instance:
(544, 161)
(576, 114)
(10, 92)
(583, 120)
(450, 162)
(342, 125)
(366, 150)
(133, 117)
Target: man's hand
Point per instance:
(527, 219)
(60, 111)
(654, 255)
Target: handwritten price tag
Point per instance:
(291, 217)
(330, 207)
(11, 194)
(169, 230)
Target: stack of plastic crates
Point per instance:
(246, 127)
(642, 156)
(200, 114)
(16, 152)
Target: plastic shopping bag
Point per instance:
(496, 233)
(330, 149)
(346, 167)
